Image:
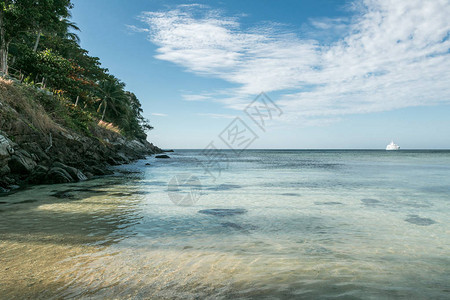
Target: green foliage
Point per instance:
(43, 45)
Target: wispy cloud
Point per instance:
(196, 97)
(217, 116)
(391, 54)
(159, 114)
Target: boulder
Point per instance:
(58, 175)
(4, 170)
(21, 163)
(137, 146)
(6, 147)
(76, 174)
(39, 175)
(101, 171)
(123, 158)
(112, 161)
(162, 156)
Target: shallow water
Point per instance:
(274, 224)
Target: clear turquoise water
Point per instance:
(312, 224)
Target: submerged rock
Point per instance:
(243, 227)
(225, 187)
(291, 194)
(232, 225)
(328, 203)
(25, 201)
(223, 212)
(415, 219)
(370, 201)
(62, 195)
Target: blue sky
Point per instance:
(345, 74)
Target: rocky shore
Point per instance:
(35, 149)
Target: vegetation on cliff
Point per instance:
(63, 117)
(39, 46)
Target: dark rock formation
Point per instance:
(21, 162)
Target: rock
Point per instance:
(415, 219)
(112, 162)
(168, 151)
(162, 156)
(101, 171)
(123, 158)
(35, 157)
(63, 195)
(58, 175)
(370, 201)
(6, 147)
(21, 163)
(39, 175)
(36, 151)
(147, 164)
(76, 174)
(4, 170)
(137, 146)
(89, 175)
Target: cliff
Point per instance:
(44, 139)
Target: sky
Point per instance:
(317, 74)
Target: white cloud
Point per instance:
(217, 116)
(391, 54)
(159, 114)
(195, 97)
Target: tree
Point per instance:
(38, 34)
(19, 16)
(60, 26)
(111, 93)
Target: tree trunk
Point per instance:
(36, 44)
(3, 47)
(104, 110)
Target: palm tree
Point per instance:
(64, 28)
(111, 94)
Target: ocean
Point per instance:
(255, 224)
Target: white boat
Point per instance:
(392, 146)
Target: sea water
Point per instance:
(276, 224)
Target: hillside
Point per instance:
(45, 138)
